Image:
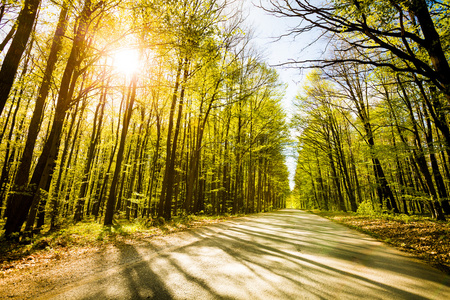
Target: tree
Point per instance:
(110, 204)
(209, 132)
(22, 176)
(353, 80)
(27, 197)
(409, 31)
(10, 64)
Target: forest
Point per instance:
(373, 115)
(134, 110)
(151, 109)
(154, 149)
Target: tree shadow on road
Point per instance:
(273, 257)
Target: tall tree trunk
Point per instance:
(9, 158)
(64, 163)
(109, 213)
(20, 202)
(322, 198)
(141, 170)
(10, 64)
(401, 178)
(441, 189)
(172, 158)
(238, 155)
(420, 158)
(155, 165)
(95, 137)
(336, 181)
(225, 169)
(343, 164)
(353, 169)
(169, 141)
(134, 170)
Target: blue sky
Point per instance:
(267, 29)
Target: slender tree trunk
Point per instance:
(109, 213)
(21, 203)
(95, 137)
(64, 163)
(155, 164)
(172, 159)
(238, 169)
(169, 142)
(421, 161)
(225, 169)
(134, 171)
(343, 164)
(8, 158)
(336, 181)
(141, 170)
(438, 179)
(401, 178)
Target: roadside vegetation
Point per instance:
(423, 237)
(90, 236)
(147, 110)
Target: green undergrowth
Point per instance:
(92, 234)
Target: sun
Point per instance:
(126, 61)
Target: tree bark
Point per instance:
(109, 213)
(23, 199)
(164, 185)
(95, 137)
(420, 159)
(12, 58)
(172, 158)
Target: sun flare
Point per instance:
(126, 61)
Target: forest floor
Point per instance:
(249, 257)
(426, 239)
(88, 237)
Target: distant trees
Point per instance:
(196, 127)
(400, 167)
(387, 82)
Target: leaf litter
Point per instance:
(426, 239)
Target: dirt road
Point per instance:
(287, 254)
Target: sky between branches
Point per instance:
(268, 29)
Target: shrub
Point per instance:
(366, 208)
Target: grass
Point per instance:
(90, 236)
